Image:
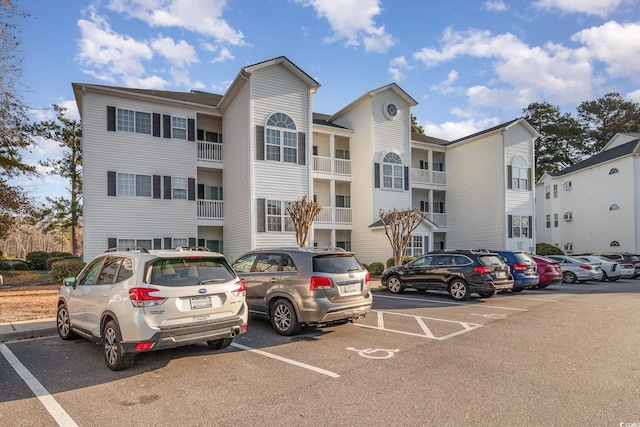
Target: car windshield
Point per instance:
(189, 271)
(335, 264)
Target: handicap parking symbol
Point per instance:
(375, 353)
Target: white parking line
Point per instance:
(50, 404)
(450, 302)
(284, 359)
(533, 299)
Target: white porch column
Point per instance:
(332, 151)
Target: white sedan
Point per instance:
(610, 269)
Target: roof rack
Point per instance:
(192, 248)
(128, 249)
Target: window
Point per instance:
(180, 242)
(547, 192)
(568, 216)
(134, 121)
(126, 184)
(548, 221)
(143, 185)
(519, 174)
(281, 139)
(392, 172)
(342, 154)
(343, 201)
(277, 216)
(614, 207)
(438, 207)
(568, 247)
(344, 244)
(415, 246)
(179, 127)
(132, 243)
(424, 164)
(615, 243)
(424, 206)
(520, 226)
(555, 220)
(438, 166)
(555, 191)
(179, 189)
(204, 135)
(613, 170)
(566, 185)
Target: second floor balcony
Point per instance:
(426, 176)
(209, 151)
(210, 209)
(330, 215)
(330, 165)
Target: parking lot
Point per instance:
(565, 355)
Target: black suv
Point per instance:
(460, 272)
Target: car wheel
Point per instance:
(284, 319)
(613, 279)
(114, 354)
(220, 344)
(487, 294)
(517, 289)
(63, 322)
(569, 277)
(395, 285)
(542, 286)
(459, 290)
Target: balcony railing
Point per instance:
(210, 151)
(439, 219)
(210, 209)
(425, 176)
(327, 165)
(341, 215)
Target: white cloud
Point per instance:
(589, 7)
(633, 96)
(179, 54)
(396, 74)
(201, 17)
(353, 21)
(451, 131)
(495, 5)
(224, 55)
(444, 87)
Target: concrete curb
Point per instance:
(14, 331)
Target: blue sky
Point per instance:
(469, 65)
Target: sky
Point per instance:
(470, 65)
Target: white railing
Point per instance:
(322, 164)
(439, 177)
(439, 219)
(342, 167)
(343, 215)
(210, 209)
(425, 176)
(211, 151)
(325, 215)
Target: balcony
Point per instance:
(210, 151)
(341, 215)
(210, 209)
(324, 164)
(439, 219)
(425, 176)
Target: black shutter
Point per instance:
(167, 243)
(192, 241)
(156, 187)
(529, 179)
(509, 177)
(261, 206)
(191, 130)
(406, 177)
(112, 242)
(167, 187)
(111, 183)
(157, 243)
(200, 191)
(156, 124)
(191, 188)
(510, 225)
(259, 142)
(111, 118)
(530, 227)
(166, 126)
(376, 171)
(302, 154)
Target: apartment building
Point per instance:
(593, 205)
(166, 169)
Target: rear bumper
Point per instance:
(553, 280)
(525, 282)
(325, 312)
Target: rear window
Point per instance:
(523, 258)
(336, 264)
(489, 260)
(189, 271)
(634, 258)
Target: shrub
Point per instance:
(376, 268)
(391, 262)
(53, 259)
(63, 255)
(38, 259)
(21, 267)
(543, 249)
(66, 268)
(4, 266)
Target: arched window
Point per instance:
(519, 174)
(615, 243)
(614, 207)
(613, 170)
(392, 172)
(281, 139)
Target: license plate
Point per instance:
(201, 317)
(501, 274)
(349, 289)
(200, 302)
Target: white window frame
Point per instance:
(179, 127)
(179, 188)
(392, 172)
(281, 139)
(519, 174)
(277, 216)
(520, 226)
(567, 185)
(568, 216)
(133, 121)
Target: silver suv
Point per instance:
(136, 300)
(296, 287)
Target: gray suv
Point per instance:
(296, 287)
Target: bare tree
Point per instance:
(302, 213)
(398, 226)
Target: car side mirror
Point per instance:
(69, 281)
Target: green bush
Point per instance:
(375, 268)
(62, 255)
(543, 249)
(21, 267)
(53, 259)
(4, 266)
(391, 262)
(38, 259)
(66, 268)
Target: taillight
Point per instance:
(520, 267)
(144, 346)
(586, 267)
(484, 270)
(318, 282)
(240, 288)
(140, 297)
(367, 278)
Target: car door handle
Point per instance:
(273, 280)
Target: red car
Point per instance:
(548, 270)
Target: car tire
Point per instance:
(517, 290)
(283, 318)
(459, 290)
(487, 294)
(395, 285)
(569, 277)
(114, 354)
(613, 279)
(63, 323)
(542, 286)
(220, 344)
